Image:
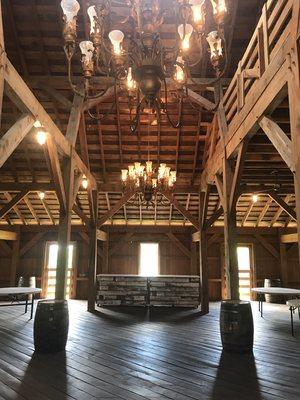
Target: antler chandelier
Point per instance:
(133, 53)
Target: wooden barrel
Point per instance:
(51, 325)
(236, 325)
(273, 298)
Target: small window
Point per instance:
(149, 263)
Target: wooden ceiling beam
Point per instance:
(31, 209)
(200, 100)
(283, 204)
(12, 202)
(13, 137)
(115, 208)
(263, 212)
(214, 217)
(174, 202)
(279, 211)
(8, 235)
(279, 139)
(74, 119)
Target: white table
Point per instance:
(272, 290)
(15, 291)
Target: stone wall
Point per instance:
(134, 290)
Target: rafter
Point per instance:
(12, 203)
(115, 208)
(283, 204)
(174, 202)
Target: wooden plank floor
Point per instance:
(156, 354)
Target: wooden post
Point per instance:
(230, 246)
(15, 259)
(92, 266)
(2, 61)
(105, 259)
(294, 103)
(203, 267)
(64, 231)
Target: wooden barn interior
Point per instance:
(228, 222)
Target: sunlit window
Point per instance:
(243, 253)
(51, 263)
(149, 265)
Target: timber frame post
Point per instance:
(293, 59)
(92, 265)
(64, 232)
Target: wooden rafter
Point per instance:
(12, 203)
(115, 208)
(283, 204)
(174, 202)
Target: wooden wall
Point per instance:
(122, 257)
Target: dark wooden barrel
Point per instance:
(51, 325)
(273, 298)
(236, 325)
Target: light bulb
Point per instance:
(185, 31)
(131, 170)
(179, 72)
(149, 166)
(42, 195)
(87, 49)
(170, 181)
(197, 9)
(70, 9)
(93, 19)
(41, 137)
(137, 166)
(173, 176)
(219, 9)
(116, 37)
(84, 182)
(154, 182)
(167, 172)
(131, 84)
(215, 44)
(124, 174)
(254, 198)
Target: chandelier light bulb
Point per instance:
(41, 137)
(173, 176)
(215, 44)
(87, 49)
(149, 166)
(219, 9)
(124, 175)
(185, 31)
(197, 9)
(254, 198)
(84, 182)
(116, 37)
(93, 19)
(179, 72)
(154, 183)
(70, 9)
(131, 84)
(42, 195)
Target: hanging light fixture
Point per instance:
(139, 61)
(84, 182)
(42, 195)
(146, 181)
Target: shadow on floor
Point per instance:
(131, 315)
(233, 367)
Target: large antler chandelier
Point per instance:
(148, 182)
(133, 52)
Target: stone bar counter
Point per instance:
(136, 290)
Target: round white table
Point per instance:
(15, 291)
(273, 290)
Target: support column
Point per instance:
(294, 103)
(64, 231)
(230, 245)
(203, 265)
(15, 257)
(92, 266)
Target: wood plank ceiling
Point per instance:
(34, 46)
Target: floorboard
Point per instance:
(137, 354)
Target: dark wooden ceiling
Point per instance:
(34, 45)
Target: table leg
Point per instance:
(26, 303)
(261, 306)
(292, 321)
(32, 306)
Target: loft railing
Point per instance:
(271, 31)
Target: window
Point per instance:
(50, 269)
(149, 259)
(244, 272)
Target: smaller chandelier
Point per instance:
(144, 180)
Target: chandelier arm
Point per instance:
(134, 123)
(73, 87)
(174, 125)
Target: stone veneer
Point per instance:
(135, 290)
